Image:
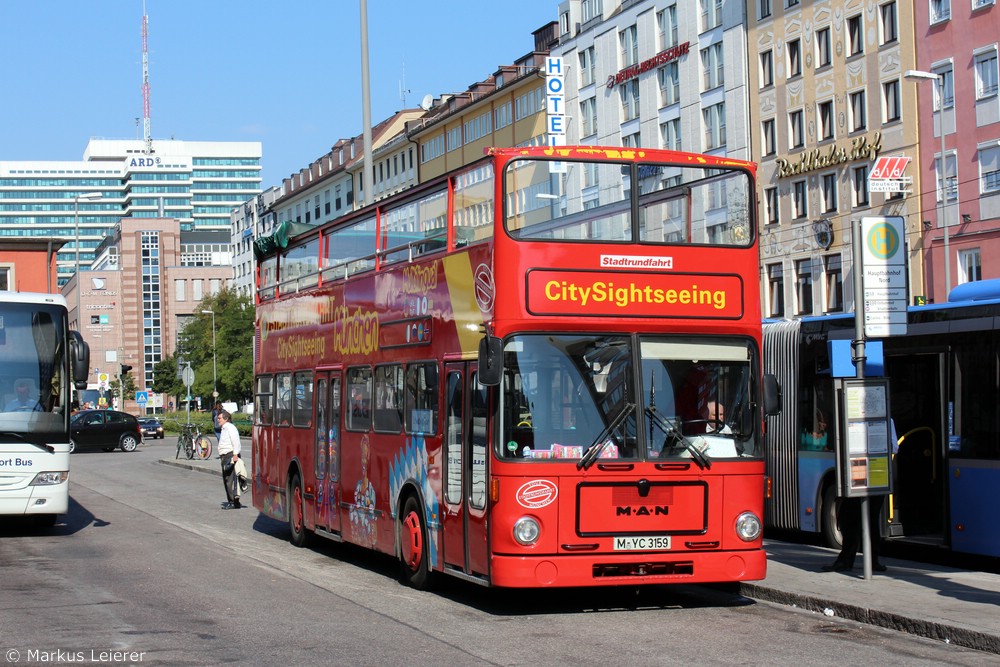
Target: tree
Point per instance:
(233, 352)
(166, 378)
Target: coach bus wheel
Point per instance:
(296, 514)
(413, 545)
(828, 518)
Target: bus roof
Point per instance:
(33, 297)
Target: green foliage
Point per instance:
(232, 370)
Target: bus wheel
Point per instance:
(828, 518)
(413, 546)
(45, 520)
(296, 514)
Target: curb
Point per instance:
(949, 634)
(178, 463)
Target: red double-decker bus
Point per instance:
(541, 369)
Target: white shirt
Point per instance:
(229, 439)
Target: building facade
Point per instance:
(958, 44)
(146, 284)
(663, 74)
(196, 182)
(828, 98)
(29, 264)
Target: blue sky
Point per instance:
(285, 73)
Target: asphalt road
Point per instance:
(148, 566)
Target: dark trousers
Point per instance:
(850, 528)
(229, 479)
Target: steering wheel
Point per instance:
(716, 424)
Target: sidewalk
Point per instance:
(947, 604)
(957, 606)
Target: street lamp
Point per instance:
(215, 383)
(86, 196)
(916, 75)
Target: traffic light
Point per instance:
(125, 369)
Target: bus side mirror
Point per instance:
(490, 356)
(79, 359)
(772, 395)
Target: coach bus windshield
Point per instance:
(592, 202)
(620, 397)
(34, 390)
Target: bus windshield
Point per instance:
(34, 391)
(591, 202)
(564, 395)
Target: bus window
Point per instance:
(283, 404)
(359, 396)
(264, 400)
(421, 401)
(302, 406)
(474, 205)
(388, 414)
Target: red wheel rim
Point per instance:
(413, 541)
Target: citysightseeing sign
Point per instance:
(591, 293)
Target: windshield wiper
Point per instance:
(671, 430)
(41, 445)
(597, 446)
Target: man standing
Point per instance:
(229, 454)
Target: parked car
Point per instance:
(105, 430)
(152, 428)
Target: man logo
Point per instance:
(98, 283)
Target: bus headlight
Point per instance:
(526, 531)
(748, 526)
(49, 478)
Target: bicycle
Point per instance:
(193, 443)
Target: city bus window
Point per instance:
(477, 479)
(415, 228)
(264, 400)
(349, 250)
(283, 404)
(453, 440)
(299, 266)
(268, 278)
(388, 414)
(421, 401)
(302, 406)
(564, 393)
(589, 202)
(473, 217)
(679, 205)
(359, 393)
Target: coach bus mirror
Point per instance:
(79, 355)
(490, 354)
(772, 395)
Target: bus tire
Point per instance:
(299, 534)
(45, 520)
(829, 520)
(415, 570)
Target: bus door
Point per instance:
(327, 443)
(918, 394)
(466, 544)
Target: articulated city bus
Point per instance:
(37, 354)
(541, 369)
(945, 404)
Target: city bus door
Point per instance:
(918, 393)
(466, 547)
(327, 455)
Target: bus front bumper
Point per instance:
(699, 567)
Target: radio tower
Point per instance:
(145, 83)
